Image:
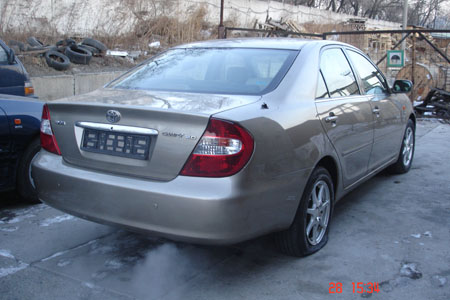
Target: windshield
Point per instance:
(211, 70)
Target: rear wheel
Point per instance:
(309, 231)
(25, 182)
(405, 158)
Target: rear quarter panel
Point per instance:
(289, 139)
(29, 112)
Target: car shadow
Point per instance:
(10, 200)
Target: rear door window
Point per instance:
(338, 75)
(372, 80)
(321, 91)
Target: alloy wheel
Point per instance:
(318, 212)
(408, 146)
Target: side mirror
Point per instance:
(402, 86)
(11, 56)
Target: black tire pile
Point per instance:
(65, 51)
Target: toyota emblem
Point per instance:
(113, 116)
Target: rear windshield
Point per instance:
(211, 70)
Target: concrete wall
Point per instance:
(60, 86)
(112, 17)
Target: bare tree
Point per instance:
(427, 13)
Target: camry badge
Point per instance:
(113, 116)
(179, 135)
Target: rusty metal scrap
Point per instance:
(436, 104)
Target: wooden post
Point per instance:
(413, 65)
(221, 27)
(413, 56)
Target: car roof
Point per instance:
(268, 43)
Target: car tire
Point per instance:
(18, 44)
(308, 232)
(78, 55)
(405, 158)
(94, 43)
(56, 60)
(93, 50)
(25, 183)
(34, 48)
(65, 42)
(34, 42)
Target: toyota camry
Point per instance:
(222, 141)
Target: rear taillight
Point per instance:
(223, 150)
(28, 89)
(48, 141)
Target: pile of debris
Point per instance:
(280, 28)
(63, 53)
(436, 104)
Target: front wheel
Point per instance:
(309, 230)
(25, 182)
(405, 158)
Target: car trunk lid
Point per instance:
(153, 137)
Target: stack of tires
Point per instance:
(69, 51)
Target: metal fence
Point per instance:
(426, 60)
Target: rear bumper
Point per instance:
(192, 209)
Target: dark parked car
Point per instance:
(222, 141)
(14, 79)
(20, 120)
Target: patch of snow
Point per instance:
(99, 275)
(438, 281)
(156, 44)
(17, 219)
(11, 270)
(102, 249)
(64, 262)
(416, 235)
(6, 253)
(57, 219)
(9, 229)
(116, 53)
(113, 264)
(54, 255)
(64, 252)
(21, 214)
(410, 270)
(89, 285)
(29, 210)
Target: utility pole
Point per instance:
(221, 27)
(405, 22)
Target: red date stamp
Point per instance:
(358, 287)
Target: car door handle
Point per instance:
(331, 118)
(376, 111)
